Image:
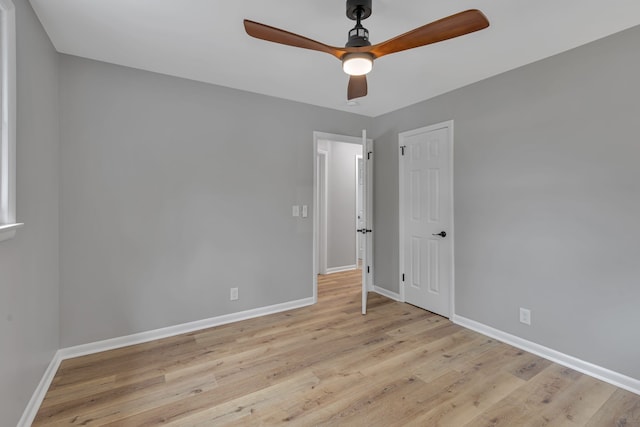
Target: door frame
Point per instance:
(317, 136)
(321, 201)
(401, 209)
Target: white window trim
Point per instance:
(8, 223)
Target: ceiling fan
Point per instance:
(358, 54)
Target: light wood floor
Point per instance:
(329, 365)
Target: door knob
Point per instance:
(441, 234)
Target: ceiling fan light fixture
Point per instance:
(358, 54)
(357, 64)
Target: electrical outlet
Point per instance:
(234, 294)
(525, 316)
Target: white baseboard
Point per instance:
(142, 337)
(386, 293)
(341, 269)
(604, 374)
(37, 397)
(31, 410)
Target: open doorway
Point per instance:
(339, 202)
(342, 236)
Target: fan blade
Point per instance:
(357, 87)
(443, 29)
(276, 35)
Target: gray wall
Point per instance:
(29, 262)
(341, 215)
(173, 191)
(547, 199)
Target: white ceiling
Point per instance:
(205, 40)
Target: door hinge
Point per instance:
(403, 277)
(403, 147)
(369, 153)
(368, 269)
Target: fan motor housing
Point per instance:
(358, 37)
(354, 5)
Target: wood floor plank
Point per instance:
(253, 406)
(118, 410)
(477, 394)
(524, 406)
(327, 364)
(93, 401)
(581, 401)
(622, 409)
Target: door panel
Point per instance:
(433, 266)
(360, 207)
(367, 218)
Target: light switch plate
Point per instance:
(305, 211)
(295, 210)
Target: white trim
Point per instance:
(401, 202)
(341, 269)
(452, 291)
(8, 231)
(170, 331)
(387, 293)
(31, 410)
(37, 397)
(321, 208)
(8, 119)
(604, 374)
(448, 124)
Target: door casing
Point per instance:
(320, 203)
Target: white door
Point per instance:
(426, 217)
(360, 207)
(367, 219)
